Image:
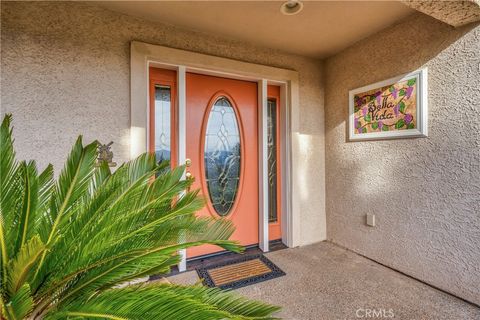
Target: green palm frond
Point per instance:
(20, 267)
(20, 304)
(45, 187)
(72, 184)
(29, 203)
(10, 192)
(68, 246)
(144, 302)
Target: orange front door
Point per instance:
(222, 144)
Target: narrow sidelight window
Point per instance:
(272, 159)
(163, 120)
(162, 115)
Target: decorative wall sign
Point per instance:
(393, 108)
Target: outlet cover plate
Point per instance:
(371, 220)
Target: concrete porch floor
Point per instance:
(325, 281)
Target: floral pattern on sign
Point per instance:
(389, 108)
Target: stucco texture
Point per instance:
(425, 192)
(456, 13)
(65, 71)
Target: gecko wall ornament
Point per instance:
(105, 154)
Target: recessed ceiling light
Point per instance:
(291, 7)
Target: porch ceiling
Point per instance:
(321, 29)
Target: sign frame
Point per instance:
(421, 119)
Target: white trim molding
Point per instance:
(144, 55)
(181, 139)
(262, 166)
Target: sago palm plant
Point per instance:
(66, 245)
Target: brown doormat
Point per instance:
(240, 272)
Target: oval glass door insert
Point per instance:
(222, 156)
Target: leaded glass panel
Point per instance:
(162, 122)
(222, 156)
(272, 159)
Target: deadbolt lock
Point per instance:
(188, 162)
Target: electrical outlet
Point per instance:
(371, 220)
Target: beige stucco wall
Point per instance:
(65, 71)
(425, 192)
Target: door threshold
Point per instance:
(219, 257)
(223, 253)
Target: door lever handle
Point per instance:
(188, 177)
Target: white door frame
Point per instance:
(144, 55)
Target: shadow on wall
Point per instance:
(385, 56)
(400, 49)
(423, 191)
